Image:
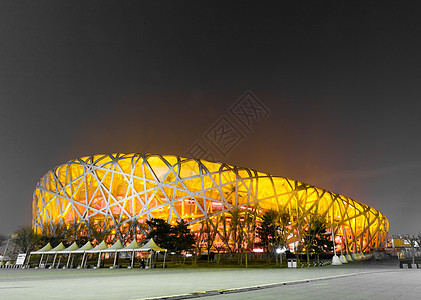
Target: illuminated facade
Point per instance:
(119, 192)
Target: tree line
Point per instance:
(237, 231)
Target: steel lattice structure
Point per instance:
(122, 191)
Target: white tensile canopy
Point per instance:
(98, 249)
(59, 247)
(114, 248)
(151, 245)
(68, 250)
(84, 248)
(117, 245)
(102, 247)
(43, 249)
(132, 247)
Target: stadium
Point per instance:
(115, 194)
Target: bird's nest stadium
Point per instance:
(117, 193)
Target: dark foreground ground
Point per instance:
(357, 280)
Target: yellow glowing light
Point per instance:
(119, 190)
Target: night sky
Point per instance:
(341, 83)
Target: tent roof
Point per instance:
(100, 247)
(117, 245)
(132, 246)
(43, 249)
(71, 248)
(59, 247)
(87, 246)
(151, 245)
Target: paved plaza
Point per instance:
(405, 284)
(360, 280)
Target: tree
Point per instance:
(26, 239)
(176, 238)
(274, 229)
(224, 233)
(3, 238)
(198, 238)
(236, 230)
(413, 240)
(316, 239)
(250, 219)
(78, 233)
(283, 226)
(53, 234)
(99, 230)
(183, 240)
(211, 231)
(249, 232)
(160, 231)
(266, 230)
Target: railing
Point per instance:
(321, 263)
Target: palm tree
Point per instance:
(236, 229)
(210, 233)
(198, 238)
(224, 233)
(315, 237)
(250, 218)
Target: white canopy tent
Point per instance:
(83, 249)
(152, 246)
(132, 247)
(69, 250)
(101, 246)
(59, 247)
(116, 248)
(98, 249)
(41, 251)
(117, 245)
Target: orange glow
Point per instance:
(120, 191)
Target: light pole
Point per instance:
(5, 250)
(412, 239)
(280, 251)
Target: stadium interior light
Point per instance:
(116, 194)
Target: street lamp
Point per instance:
(280, 251)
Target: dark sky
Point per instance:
(341, 82)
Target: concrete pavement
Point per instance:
(360, 278)
(400, 284)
